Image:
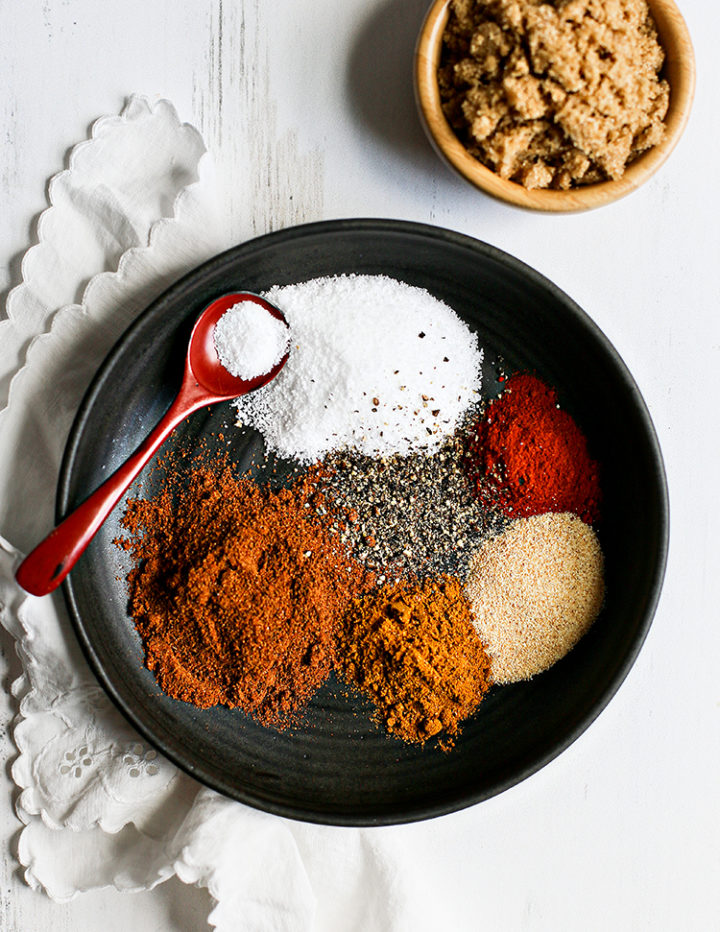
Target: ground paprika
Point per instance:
(528, 456)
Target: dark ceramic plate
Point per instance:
(339, 767)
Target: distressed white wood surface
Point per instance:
(308, 109)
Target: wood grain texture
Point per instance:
(308, 108)
(273, 183)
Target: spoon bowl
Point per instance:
(205, 381)
(202, 358)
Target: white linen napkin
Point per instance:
(99, 807)
(133, 212)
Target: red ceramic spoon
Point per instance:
(205, 381)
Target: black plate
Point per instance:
(340, 767)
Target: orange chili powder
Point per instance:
(237, 592)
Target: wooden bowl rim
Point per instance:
(679, 70)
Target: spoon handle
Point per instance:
(48, 564)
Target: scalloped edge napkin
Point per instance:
(134, 210)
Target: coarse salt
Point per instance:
(376, 365)
(249, 340)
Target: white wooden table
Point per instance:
(308, 109)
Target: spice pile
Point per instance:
(420, 563)
(235, 593)
(249, 341)
(342, 388)
(407, 514)
(529, 456)
(534, 591)
(413, 649)
(554, 94)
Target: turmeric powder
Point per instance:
(412, 648)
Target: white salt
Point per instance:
(249, 341)
(376, 365)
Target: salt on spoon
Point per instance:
(206, 380)
(249, 341)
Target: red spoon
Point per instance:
(205, 381)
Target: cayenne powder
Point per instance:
(236, 592)
(527, 456)
(412, 648)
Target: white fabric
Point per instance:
(98, 806)
(132, 213)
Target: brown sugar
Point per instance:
(554, 94)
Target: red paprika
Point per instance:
(530, 457)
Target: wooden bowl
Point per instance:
(678, 70)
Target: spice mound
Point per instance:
(529, 456)
(554, 94)
(236, 593)
(412, 648)
(535, 590)
(412, 515)
(376, 365)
